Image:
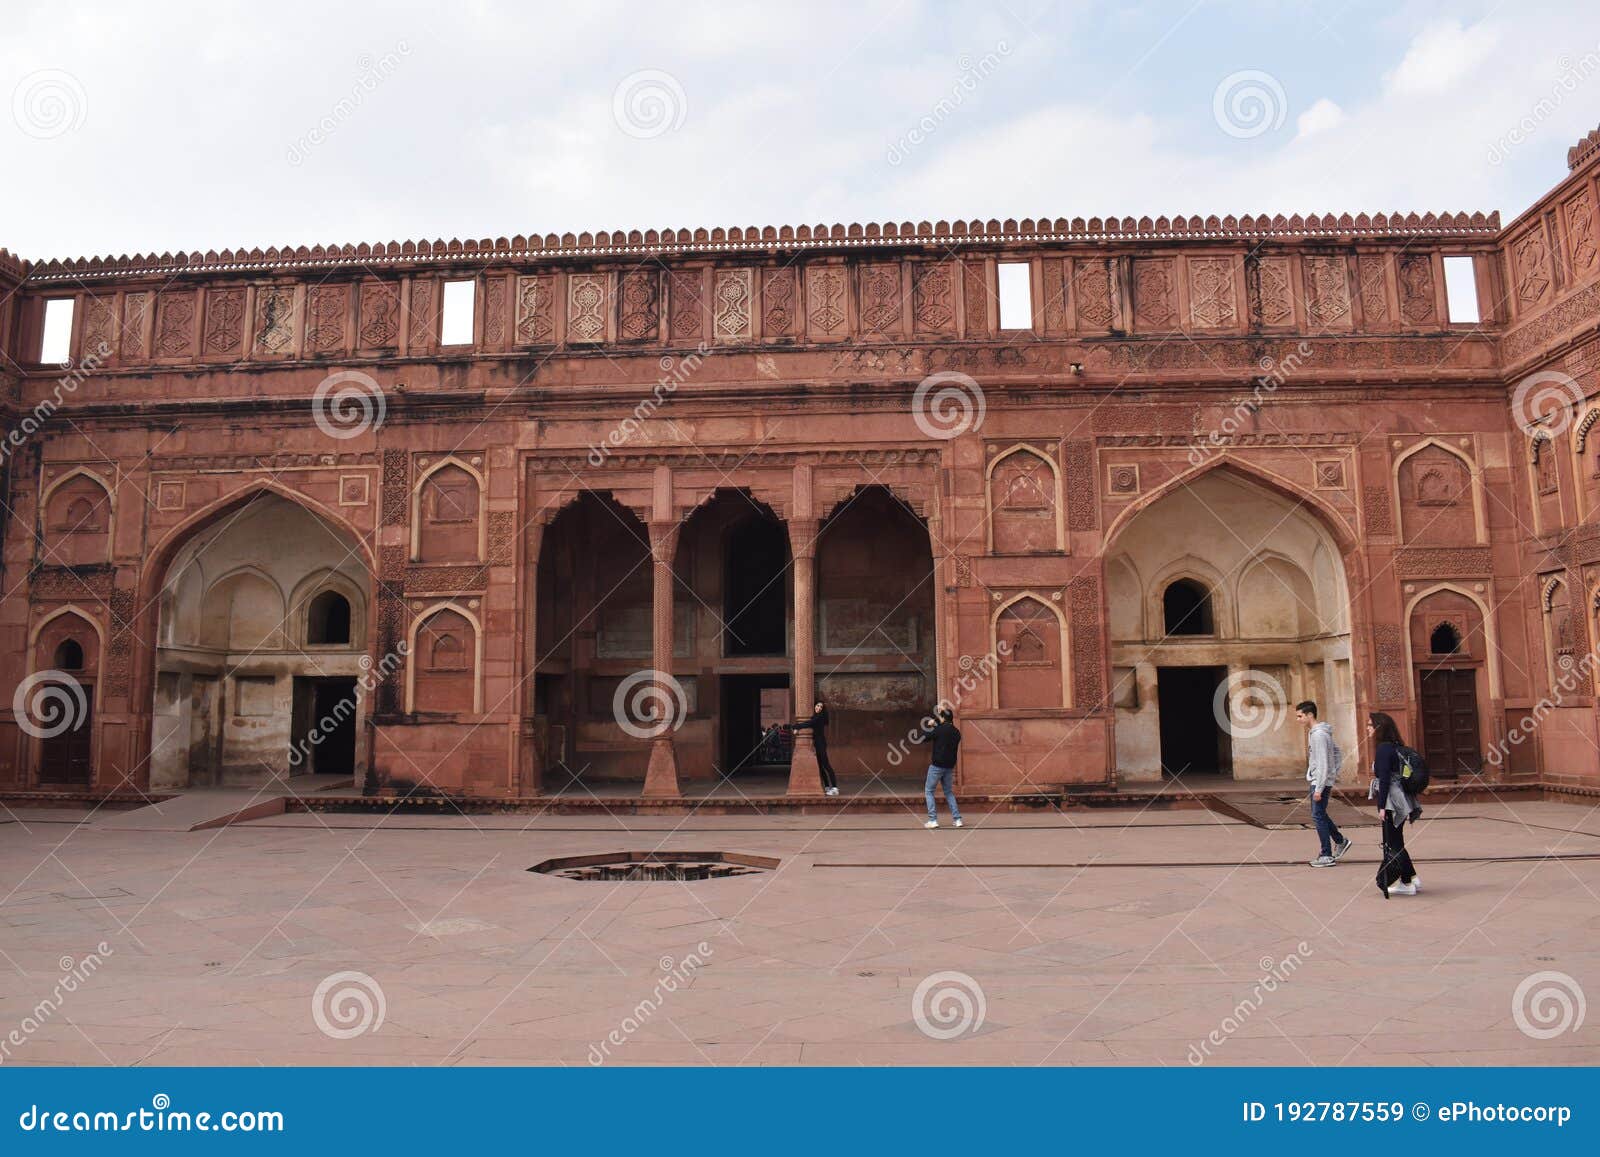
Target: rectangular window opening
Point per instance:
(460, 299)
(1016, 295)
(55, 348)
(1461, 290)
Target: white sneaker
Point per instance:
(1416, 884)
(831, 791)
(931, 824)
(1398, 889)
(959, 824)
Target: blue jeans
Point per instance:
(944, 777)
(1327, 832)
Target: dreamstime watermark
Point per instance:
(1547, 1004)
(1570, 75)
(348, 1004)
(1248, 103)
(948, 1004)
(674, 372)
(1543, 403)
(975, 672)
(649, 103)
(1274, 373)
(50, 703)
(74, 974)
(650, 703)
(348, 404)
(948, 404)
(371, 675)
(49, 103)
(370, 74)
(77, 373)
(1274, 974)
(675, 974)
(1577, 675)
(972, 74)
(1250, 705)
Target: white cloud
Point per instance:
(1319, 117)
(1441, 56)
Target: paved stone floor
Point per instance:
(1108, 937)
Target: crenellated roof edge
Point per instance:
(637, 243)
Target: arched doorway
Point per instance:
(876, 644)
(594, 634)
(733, 601)
(1228, 605)
(252, 682)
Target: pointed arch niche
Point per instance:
(1025, 502)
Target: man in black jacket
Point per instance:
(818, 726)
(945, 740)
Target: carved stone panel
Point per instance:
(880, 298)
(684, 292)
(175, 323)
(494, 311)
(1094, 288)
(135, 311)
(1155, 294)
(933, 307)
(586, 308)
(423, 333)
(1530, 260)
(378, 320)
(1581, 239)
(781, 315)
(326, 307)
(1327, 291)
(99, 338)
(975, 294)
(639, 305)
(535, 324)
(1417, 297)
(1372, 268)
(827, 303)
(1270, 287)
(224, 331)
(731, 304)
(275, 320)
(1053, 270)
(1084, 597)
(1213, 303)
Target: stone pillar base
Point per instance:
(661, 778)
(805, 777)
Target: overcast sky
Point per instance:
(150, 127)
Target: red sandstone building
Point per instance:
(1120, 490)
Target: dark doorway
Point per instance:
(65, 758)
(1192, 739)
(751, 706)
(324, 726)
(755, 602)
(1450, 721)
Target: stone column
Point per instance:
(941, 609)
(661, 778)
(530, 777)
(804, 776)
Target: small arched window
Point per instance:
(69, 655)
(1445, 640)
(328, 619)
(1186, 607)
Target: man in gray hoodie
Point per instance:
(1322, 770)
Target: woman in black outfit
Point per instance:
(1396, 873)
(818, 726)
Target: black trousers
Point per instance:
(1396, 863)
(826, 768)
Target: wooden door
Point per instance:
(66, 758)
(1450, 721)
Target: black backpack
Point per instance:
(1413, 771)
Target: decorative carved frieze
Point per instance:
(1083, 597)
(1443, 562)
(396, 488)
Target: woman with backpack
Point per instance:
(1396, 873)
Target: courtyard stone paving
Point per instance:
(1122, 936)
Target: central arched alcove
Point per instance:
(261, 629)
(1225, 596)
